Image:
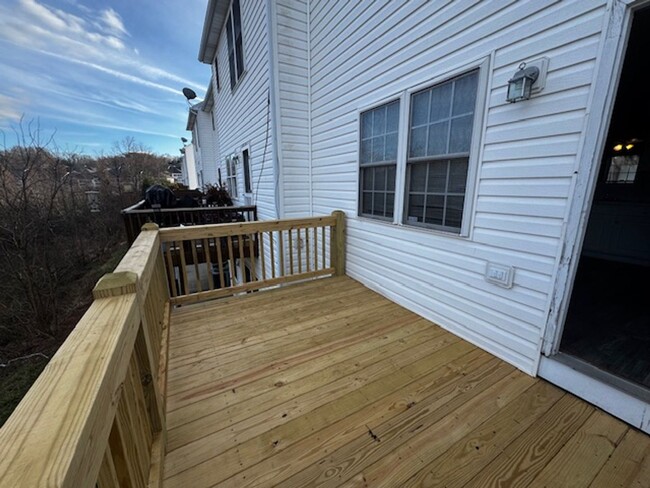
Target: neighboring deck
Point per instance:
(327, 383)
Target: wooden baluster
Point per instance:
(251, 238)
(290, 254)
(231, 263)
(315, 248)
(242, 264)
(299, 245)
(107, 474)
(171, 270)
(308, 266)
(217, 243)
(197, 271)
(324, 229)
(281, 250)
(262, 255)
(208, 261)
(183, 268)
(272, 250)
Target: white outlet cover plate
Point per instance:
(499, 274)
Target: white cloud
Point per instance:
(9, 108)
(112, 20)
(96, 41)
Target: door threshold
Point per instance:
(620, 398)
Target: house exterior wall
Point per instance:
(291, 22)
(362, 53)
(206, 150)
(243, 115)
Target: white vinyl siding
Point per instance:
(365, 52)
(243, 116)
(293, 86)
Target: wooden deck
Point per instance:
(329, 384)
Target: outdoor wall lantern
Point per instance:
(521, 84)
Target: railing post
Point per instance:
(337, 244)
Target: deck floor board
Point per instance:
(327, 383)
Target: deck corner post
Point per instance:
(116, 284)
(338, 243)
(150, 226)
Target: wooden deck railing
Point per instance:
(136, 216)
(212, 261)
(95, 416)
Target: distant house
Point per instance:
(201, 122)
(189, 173)
(463, 207)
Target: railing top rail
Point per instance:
(57, 435)
(242, 208)
(241, 228)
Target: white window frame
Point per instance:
(483, 65)
(361, 166)
(231, 177)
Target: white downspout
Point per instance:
(274, 100)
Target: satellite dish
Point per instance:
(183, 139)
(189, 93)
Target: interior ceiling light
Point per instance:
(618, 147)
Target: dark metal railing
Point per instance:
(136, 216)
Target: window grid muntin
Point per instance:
(367, 163)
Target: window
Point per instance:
(440, 134)
(216, 73)
(622, 169)
(248, 187)
(378, 160)
(235, 46)
(231, 176)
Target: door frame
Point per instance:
(570, 373)
(611, 54)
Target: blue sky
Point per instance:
(97, 71)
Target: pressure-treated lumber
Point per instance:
(353, 391)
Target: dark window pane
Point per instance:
(415, 210)
(465, 94)
(377, 149)
(380, 178)
(366, 125)
(435, 208)
(418, 177)
(391, 178)
(379, 204)
(366, 177)
(440, 102)
(248, 187)
(390, 204)
(418, 142)
(457, 176)
(236, 17)
(391, 147)
(420, 108)
(392, 117)
(379, 121)
(461, 134)
(231, 52)
(366, 151)
(437, 177)
(366, 202)
(454, 213)
(240, 57)
(438, 134)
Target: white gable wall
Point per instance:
(365, 52)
